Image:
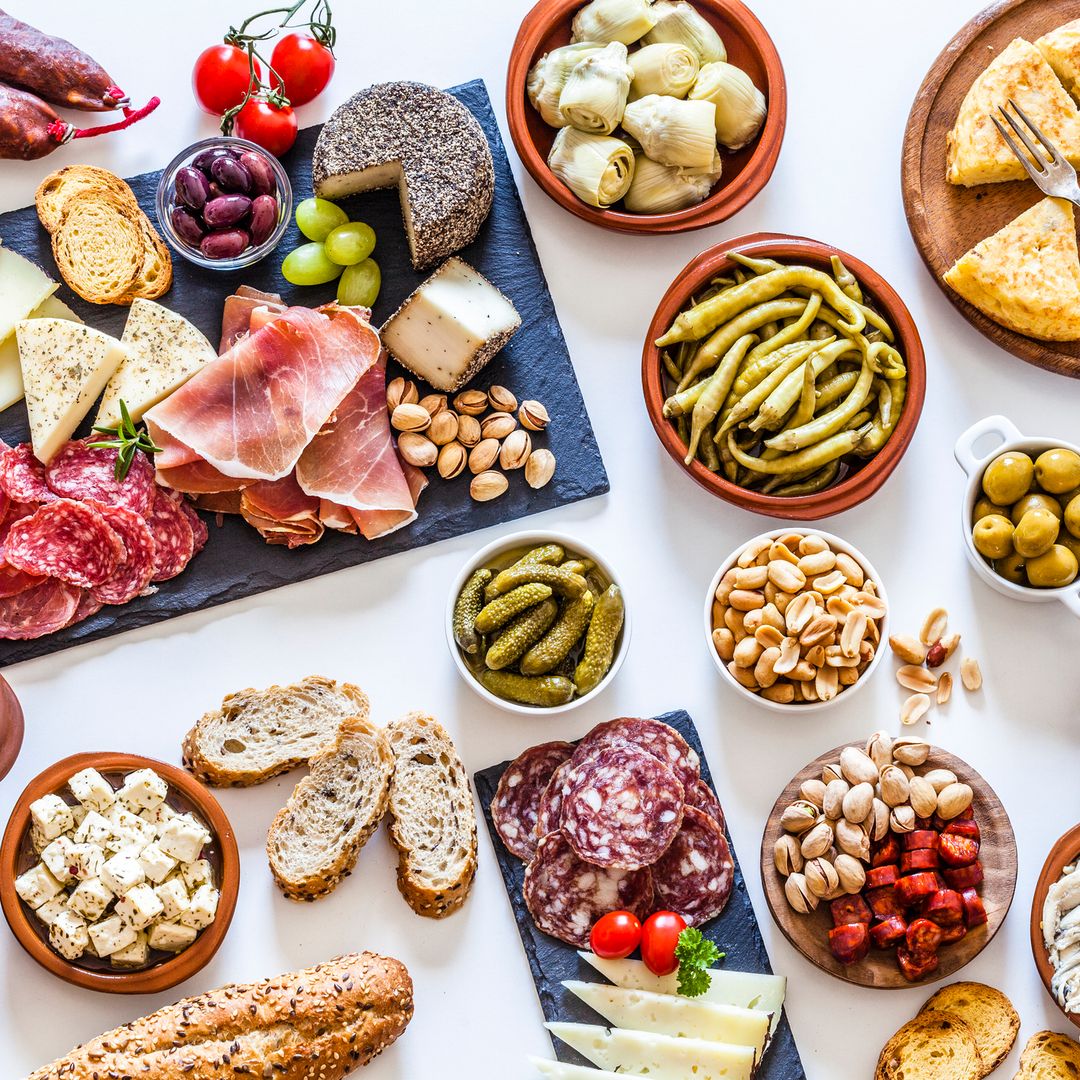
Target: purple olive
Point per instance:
(216, 190)
(230, 174)
(187, 225)
(225, 210)
(192, 187)
(264, 216)
(205, 158)
(225, 243)
(262, 176)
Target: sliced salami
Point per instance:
(653, 736)
(516, 805)
(88, 605)
(38, 611)
(200, 533)
(174, 539)
(566, 896)
(67, 540)
(22, 476)
(13, 582)
(136, 570)
(621, 807)
(549, 812)
(703, 798)
(695, 875)
(81, 472)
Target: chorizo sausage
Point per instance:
(913, 969)
(850, 943)
(890, 932)
(884, 902)
(964, 877)
(921, 839)
(923, 938)
(945, 908)
(921, 859)
(888, 851)
(882, 875)
(850, 909)
(26, 125)
(974, 911)
(970, 829)
(958, 850)
(910, 890)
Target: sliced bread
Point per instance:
(155, 277)
(433, 820)
(257, 734)
(98, 246)
(1049, 1056)
(316, 837)
(54, 191)
(933, 1046)
(987, 1011)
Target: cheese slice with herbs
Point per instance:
(11, 384)
(163, 351)
(23, 288)
(65, 365)
(1061, 47)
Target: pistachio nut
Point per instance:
(799, 895)
(879, 748)
(433, 404)
(787, 855)
(417, 449)
(401, 392)
(894, 786)
(407, 417)
(813, 791)
(540, 468)
(471, 403)
(488, 485)
(533, 415)
(444, 428)
(954, 800)
(850, 872)
(911, 750)
(831, 772)
(940, 779)
(799, 817)
(857, 766)
(497, 425)
(821, 876)
(858, 803)
(902, 819)
(922, 796)
(880, 820)
(515, 450)
(482, 456)
(817, 840)
(852, 840)
(833, 801)
(451, 461)
(468, 430)
(501, 399)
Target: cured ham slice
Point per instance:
(375, 523)
(282, 513)
(236, 316)
(337, 517)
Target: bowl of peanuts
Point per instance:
(796, 620)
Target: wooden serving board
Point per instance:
(879, 971)
(735, 932)
(947, 220)
(237, 562)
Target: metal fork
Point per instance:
(1050, 171)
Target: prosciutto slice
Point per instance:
(375, 523)
(281, 512)
(236, 316)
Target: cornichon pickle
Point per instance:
(546, 553)
(564, 582)
(521, 634)
(578, 566)
(503, 608)
(544, 691)
(550, 651)
(469, 602)
(604, 627)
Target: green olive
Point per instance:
(1008, 477)
(1052, 569)
(1066, 539)
(1072, 516)
(1036, 533)
(1035, 501)
(992, 536)
(984, 508)
(1011, 568)
(1058, 471)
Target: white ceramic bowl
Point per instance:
(797, 708)
(1008, 438)
(492, 552)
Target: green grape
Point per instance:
(317, 218)
(308, 265)
(351, 243)
(359, 285)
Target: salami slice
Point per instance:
(81, 472)
(22, 476)
(88, 605)
(621, 807)
(516, 805)
(566, 896)
(13, 582)
(38, 611)
(695, 875)
(136, 570)
(200, 533)
(549, 812)
(66, 540)
(175, 542)
(703, 798)
(653, 736)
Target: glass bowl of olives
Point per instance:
(224, 203)
(1021, 512)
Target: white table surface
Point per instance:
(853, 68)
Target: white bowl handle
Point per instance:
(1072, 601)
(1001, 426)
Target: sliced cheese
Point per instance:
(667, 1014)
(561, 1071)
(660, 1057)
(163, 351)
(23, 287)
(746, 989)
(65, 365)
(11, 384)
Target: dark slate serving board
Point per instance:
(735, 932)
(536, 364)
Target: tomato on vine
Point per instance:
(270, 125)
(304, 64)
(221, 77)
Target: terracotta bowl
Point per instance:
(746, 171)
(1065, 851)
(185, 794)
(11, 727)
(857, 486)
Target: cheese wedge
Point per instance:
(561, 1071)
(976, 152)
(65, 365)
(660, 1057)
(1061, 47)
(745, 989)
(163, 351)
(1027, 276)
(23, 288)
(11, 384)
(667, 1014)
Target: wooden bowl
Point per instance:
(1063, 852)
(746, 171)
(857, 486)
(809, 933)
(11, 727)
(16, 856)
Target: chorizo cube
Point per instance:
(945, 908)
(888, 851)
(884, 902)
(910, 890)
(911, 862)
(925, 824)
(970, 829)
(850, 909)
(974, 910)
(953, 934)
(882, 875)
(850, 943)
(912, 968)
(964, 877)
(958, 850)
(888, 933)
(923, 938)
(919, 839)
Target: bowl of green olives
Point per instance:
(1021, 512)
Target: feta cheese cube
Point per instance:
(122, 872)
(90, 899)
(130, 828)
(135, 955)
(86, 860)
(78, 812)
(69, 936)
(173, 896)
(38, 840)
(195, 873)
(111, 935)
(140, 907)
(51, 815)
(92, 790)
(93, 829)
(183, 838)
(171, 936)
(51, 909)
(155, 863)
(158, 815)
(143, 790)
(57, 857)
(202, 908)
(37, 886)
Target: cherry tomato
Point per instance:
(304, 65)
(616, 935)
(220, 78)
(659, 936)
(273, 128)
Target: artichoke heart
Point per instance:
(596, 168)
(663, 68)
(613, 20)
(672, 131)
(594, 96)
(548, 77)
(740, 105)
(680, 22)
(661, 189)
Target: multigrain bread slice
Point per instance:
(933, 1046)
(57, 188)
(316, 837)
(1049, 1056)
(433, 821)
(324, 1021)
(98, 246)
(987, 1011)
(257, 734)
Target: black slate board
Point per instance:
(735, 932)
(536, 364)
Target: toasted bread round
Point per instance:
(98, 247)
(934, 1044)
(987, 1011)
(57, 188)
(155, 278)
(1050, 1056)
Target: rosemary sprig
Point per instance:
(127, 439)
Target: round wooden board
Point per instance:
(809, 933)
(947, 220)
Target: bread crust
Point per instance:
(905, 1055)
(53, 192)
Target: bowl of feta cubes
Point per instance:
(119, 873)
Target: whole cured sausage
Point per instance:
(26, 125)
(516, 805)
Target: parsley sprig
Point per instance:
(696, 954)
(127, 439)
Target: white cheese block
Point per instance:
(65, 366)
(93, 829)
(183, 838)
(163, 351)
(451, 326)
(156, 864)
(195, 873)
(173, 896)
(92, 790)
(122, 873)
(52, 816)
(23, 288)
(140, 907)
(111, 935)
(171, 936)
(68, 936)
(86, 860)
(57, 858)
(90, 899)
(37, 886)
(49, 912)
(143, 790)
(202, 908)
(660, 1057)
(135, 955)
(11, 384)
(561, 1071)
